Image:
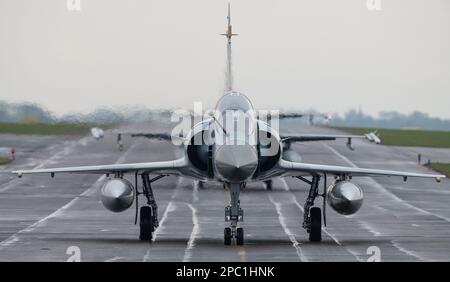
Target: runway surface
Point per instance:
(40, 217)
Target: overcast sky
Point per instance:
(295, 54)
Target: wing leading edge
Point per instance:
(163, 167)
(294, 168)
(288, 139)
(318, 137)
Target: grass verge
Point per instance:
(400, 137)
(4, 161)
(47, 129)
(443, 168)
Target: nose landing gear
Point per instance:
(234, 214)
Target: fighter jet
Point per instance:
(287, 140)
(217, 150)
(373, 137)
(97, 133)
(164, 136)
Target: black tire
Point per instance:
(146, 224)
(315, 233)
(239, 236)
(268, 185)
(227, 236)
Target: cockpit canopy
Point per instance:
(234, 101)
(236, 117)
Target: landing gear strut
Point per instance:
(120, 142)
(234, 214)
(148, 220)
(312, 218)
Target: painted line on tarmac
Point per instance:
(300, 207)
(286, 229)
(13, 239)
(394, 197)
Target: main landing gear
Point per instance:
(268, 184)
(148, 219)
(147, 223)
(312, 218)
(234, 214)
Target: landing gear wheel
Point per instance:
(227, 236)
(315, 232)
(239, 236)
(268, 185)
(146, 224)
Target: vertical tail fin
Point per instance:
(229, 34)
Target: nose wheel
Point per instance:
(227, 236)
(238, 235)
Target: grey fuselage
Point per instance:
(233, 146)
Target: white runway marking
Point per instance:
(384, 190)
(194, 234)
(171, 206)
(394, 197)
(286, 187)
(115, 259)
(195, 222)
(408, 252)
(286, 229)
(67, 150)
(14, 238)
(303, 211)
(195, 191)
(369, 228)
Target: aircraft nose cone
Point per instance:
(236, 163)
